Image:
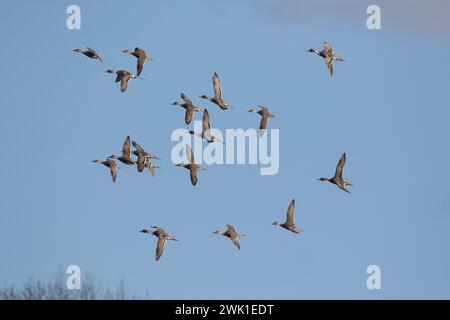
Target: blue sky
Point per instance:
(387, 108)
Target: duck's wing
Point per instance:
(186, 98)
(140, 163)
(216, 85)
(264, 120)
(140, 65)
(329, 63)
(327, 48)
(206, 123)
(190, 155)
(137, 146)
(230, 229)
(91, 50)
(194, 176)
(263, 125)
(160, 247)
(113, 174)
(290, 213)
(126, 147)
(188, 115)
(112, 169)
(235, 241)
(340, 166)
(124, 83)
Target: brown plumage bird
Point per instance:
(337, 179)
(290, 223)
(162, 238)
(143, 159)
(329, 56)
(126, 153)
(111, 164)
(141, 57)
(217, 99)
(90, 53)
(232, 234)
(191, 166)
(206, 129)
(188, 106)
(265, 116)
(123, 76)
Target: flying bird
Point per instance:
(337, 179)
(141, 56)
(232, 234)
(111, 164)
(191, 166)
(329, 56)
(217, 99)
(90, 53)
(188, 106)
(143, 158)
(265, 115)
(206, 129)
(162, 238)
(125, 158)
(289, 224)
(123, 76)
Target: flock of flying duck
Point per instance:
(144, 159)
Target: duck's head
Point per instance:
(275, 223)
(78, 50)
(323, 179)
(144, 231)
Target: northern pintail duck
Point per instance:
(232, 234)
(217, 99)
(162, 238)
(265, 115)
(143, 158)
(141, 56)
(90, 53)
(126, 153)
(123, 76)
(111, 164)
(188, 106)
(289, 224)
(337, 179)
(191, 166)
(206, 129)
(329, 56)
